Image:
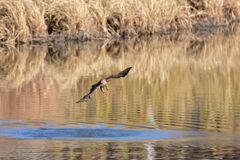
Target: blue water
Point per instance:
(87, 132)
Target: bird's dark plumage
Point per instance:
(102, 83)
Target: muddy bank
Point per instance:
(39, 21)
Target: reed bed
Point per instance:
(82, 20)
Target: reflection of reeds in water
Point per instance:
(166, 79)
(140, 149)
(150, 58)
(20, 65)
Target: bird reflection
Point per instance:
(102, 83)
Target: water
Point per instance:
(179, 101)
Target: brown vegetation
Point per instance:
(47, 20)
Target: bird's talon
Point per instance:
(101, 88)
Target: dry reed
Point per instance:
(21, 21)
(82, 20)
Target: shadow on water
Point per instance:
(180, 100)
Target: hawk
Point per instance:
(103, 83)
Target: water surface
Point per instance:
(180, 100)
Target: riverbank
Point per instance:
(39, 21)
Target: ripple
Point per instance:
(84, 133)
(91, 132)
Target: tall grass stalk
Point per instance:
(60, 20)
(21, 21)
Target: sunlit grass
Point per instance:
(21, 21)
(60, 20)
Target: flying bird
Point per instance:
(102, 83)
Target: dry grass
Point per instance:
(60, 20)
(21, 21)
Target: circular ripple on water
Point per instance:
(88, 133)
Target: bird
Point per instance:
(103, 83)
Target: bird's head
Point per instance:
(103, 81)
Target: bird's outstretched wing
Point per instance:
(96, 86)
(120, 74)
(90, 94)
